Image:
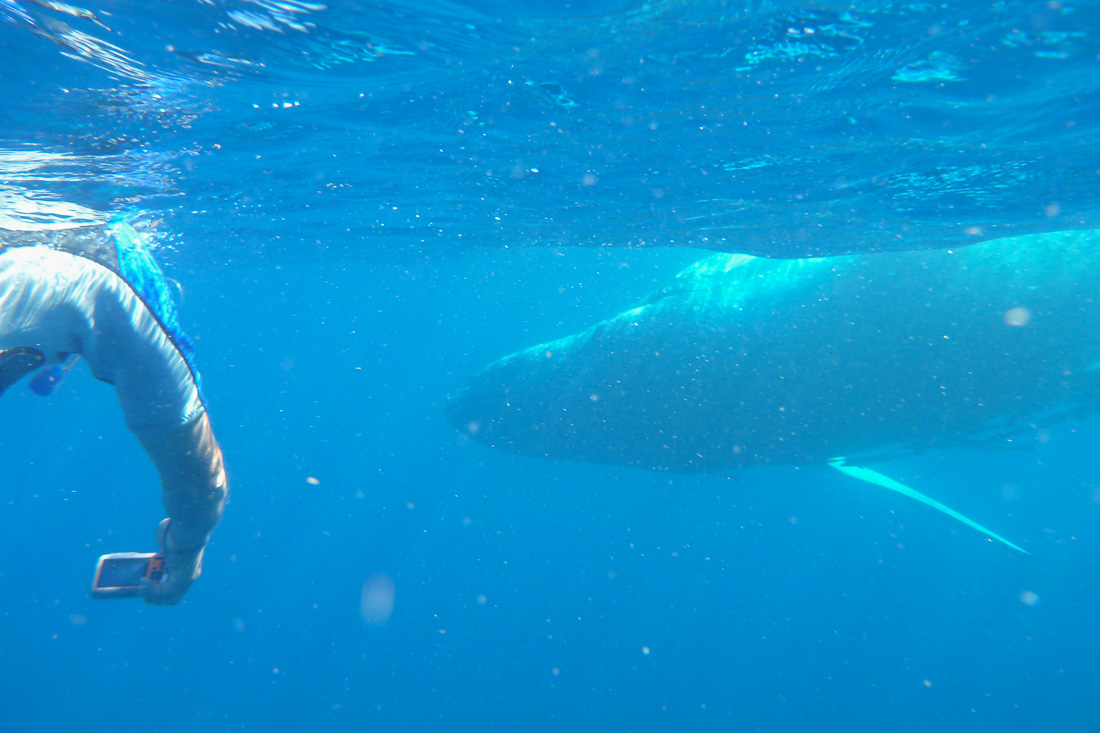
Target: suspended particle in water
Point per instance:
(376, 601)
(1018, 316)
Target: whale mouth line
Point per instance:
(460, 409)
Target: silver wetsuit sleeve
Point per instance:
(62, 304)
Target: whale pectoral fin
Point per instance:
(16, 364)
(877, 479)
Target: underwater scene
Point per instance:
(687, 365)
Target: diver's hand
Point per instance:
(181, 569)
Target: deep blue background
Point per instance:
(349, 260)
(773, 599)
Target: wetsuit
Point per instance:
(96, 292)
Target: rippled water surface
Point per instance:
(769, 127)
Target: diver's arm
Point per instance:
(194, 491)
(192, 479)
(57, 304)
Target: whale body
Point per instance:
(745, 361)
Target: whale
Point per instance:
(843, 360)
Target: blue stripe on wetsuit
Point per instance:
(141, 272)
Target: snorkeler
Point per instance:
(97, 293)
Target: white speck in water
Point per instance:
(1017, 316)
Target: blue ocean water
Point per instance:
(364, 203)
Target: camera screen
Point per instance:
(123, 572)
